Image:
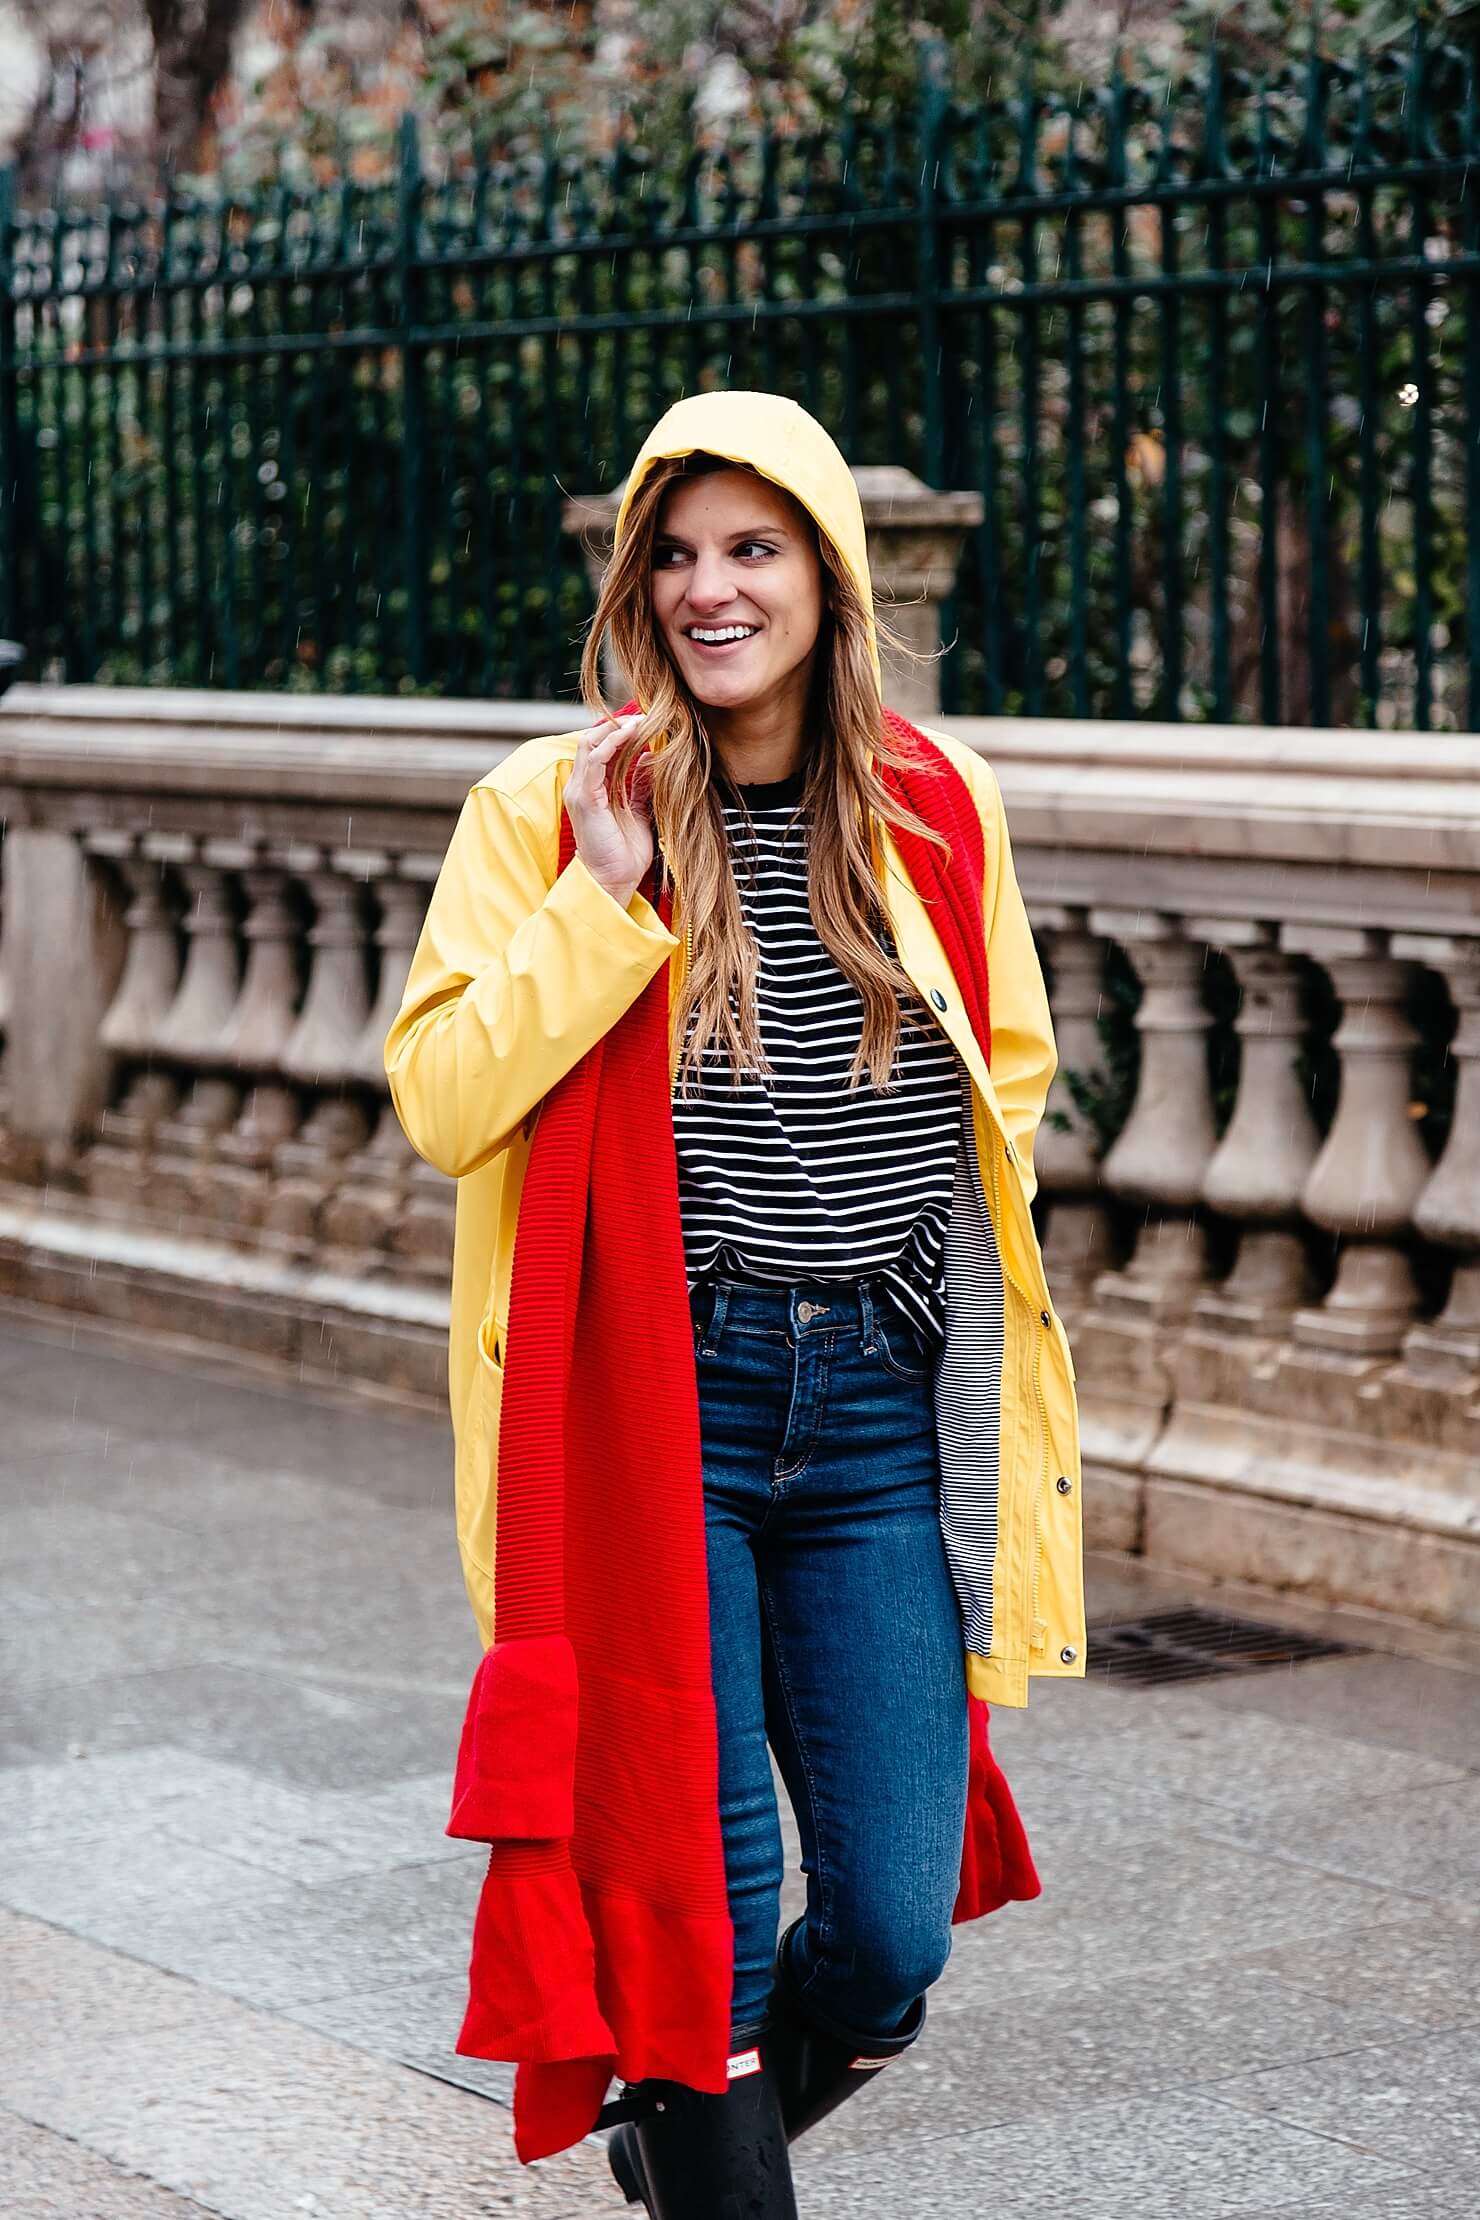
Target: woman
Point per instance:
(728, 1006)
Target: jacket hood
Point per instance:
(774, 436)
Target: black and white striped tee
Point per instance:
(804, 1177)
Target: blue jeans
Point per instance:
(835, 1636)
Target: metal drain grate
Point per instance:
(1195, 1645)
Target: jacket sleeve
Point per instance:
(514, 978)
(1024, 1057)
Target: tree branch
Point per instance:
(192, 46)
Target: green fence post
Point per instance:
(408, 211)
(935, 100)
(1030, 379)
(1117, 177)
(1169, 367)
(10, 444)
(1318, 497)
(1267, 341)
(1421, 463)
(1470, 239)
(1217, 168)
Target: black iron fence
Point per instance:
(1209, 351)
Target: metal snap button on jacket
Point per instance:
(1063, 1483)
(1067, 1656)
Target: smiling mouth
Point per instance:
(714, 639)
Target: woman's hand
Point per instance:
(614, 839)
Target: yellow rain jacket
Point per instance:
(520, 969)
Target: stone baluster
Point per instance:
(1447, 1350)
(133, 1024)
(1076, 1244)
(1259, 1169)
(190, 1031)
(422, 1237)
(361, 1215)
(1372, 1167)
(253, 1042)
(1160, 1157)
(320, 1052)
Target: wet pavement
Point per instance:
(234, 1654)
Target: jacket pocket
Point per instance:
(477, 1466)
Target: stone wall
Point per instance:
(1276, 1320)
(1272, 1275)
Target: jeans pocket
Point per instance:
(902, 1346)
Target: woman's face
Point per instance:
(735, 555)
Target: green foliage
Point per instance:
(320, 435)
(1264, 33)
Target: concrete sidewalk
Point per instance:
(234, 1654)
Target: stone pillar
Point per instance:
(361, 1215)
(1372, 1168)
(422, 1236)
(132, 1028)
(1448, 1208)
(62, 957)
(253, 1041)
(1260, 1167)
(320, 1051)
(915, 536)
(133, 1024)
(191, 1030)
(1161, 1155)
(1076, 1242)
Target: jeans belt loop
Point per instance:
(715, 1327)
(866, 1309)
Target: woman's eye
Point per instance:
(665, 557)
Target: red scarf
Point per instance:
(589, 1762)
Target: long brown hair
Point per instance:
(842, 791)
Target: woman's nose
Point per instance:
(710, 586)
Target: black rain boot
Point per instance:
(819, 2063)
(688, 2155)
(622, 2152)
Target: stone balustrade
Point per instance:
(1274, 1299)
(210, 905)
(1259, 1168)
